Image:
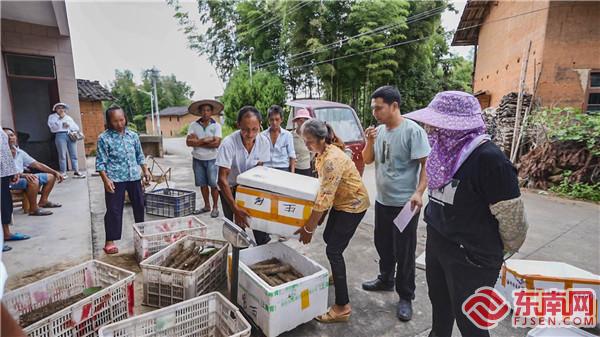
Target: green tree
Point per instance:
(339, 49)
(266, 89)
(136, 104)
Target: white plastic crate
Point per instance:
(113, 303)
(151, 236)
(210, 315)
(282, 308)
(165, 286)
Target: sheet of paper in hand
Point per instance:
(404, 217)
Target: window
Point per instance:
(30, 66)
(593, 93)
(343, 122)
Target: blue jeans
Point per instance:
(65, 145)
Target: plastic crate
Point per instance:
(113, 303)
(170, 202)
(151, 236)
(208, 315)
(165, 286)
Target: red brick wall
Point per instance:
(502, 43)
(92, 119)
(571, 50)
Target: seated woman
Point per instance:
(32, 183)
(342, 191)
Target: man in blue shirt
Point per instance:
(121, 164)
(283, 156)
(399, 147)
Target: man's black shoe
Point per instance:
(378, 285)
(404, 310)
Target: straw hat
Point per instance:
(194, 108)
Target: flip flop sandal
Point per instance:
(332, 317)
(41, 212)
(17, 237)
(51, 204)
(6, 248)
(201, 211)
(110, 250)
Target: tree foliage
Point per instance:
(265, 90)
(339, 50)
(136, 104)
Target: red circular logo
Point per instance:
(486, 308)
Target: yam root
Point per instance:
(275, 272)
(189, 258)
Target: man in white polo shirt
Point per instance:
(240, 151)
(204, 136)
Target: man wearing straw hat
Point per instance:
(204, 136)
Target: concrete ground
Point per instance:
(561, 230)
(58, 241)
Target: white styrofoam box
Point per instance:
(530, 274)
(282, 308)
(273, 213)
(282, 182)
(151, 236)
(568, 331)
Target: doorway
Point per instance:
(33, 90)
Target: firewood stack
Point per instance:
(500, 121)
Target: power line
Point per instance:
(275, 19)
(339, 43)
(417, 40)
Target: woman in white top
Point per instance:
(60, 125)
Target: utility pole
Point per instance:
(151, 109)
(250, 62)
(154, 76)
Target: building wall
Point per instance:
(31, 39)
(571, 50)
(171, 125)
(92, 120)
(503, 44)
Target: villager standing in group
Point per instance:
(121, 164)
(475, 215)
(399, 148)
(204, 136)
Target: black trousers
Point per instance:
(340, 228)
(113, 219)
(7, 203)
(451, 278)
(305, 172)
(396, 250)
(260, 237)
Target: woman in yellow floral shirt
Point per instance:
(342, 191)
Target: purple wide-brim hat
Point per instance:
(451, 110)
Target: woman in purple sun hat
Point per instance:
(475, 216)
